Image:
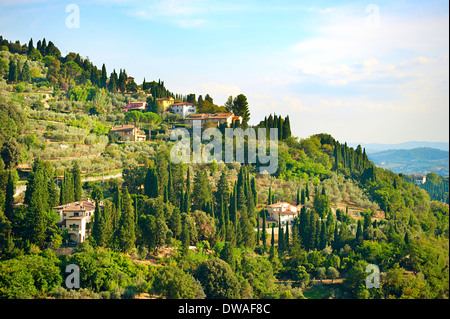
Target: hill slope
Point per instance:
(378, 147)
(414, 161)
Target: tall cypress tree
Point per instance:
(303, 197)
(103, 77)
(151, 183)
(263, 236)
(76, 182)
(127, 235)
(9, 196)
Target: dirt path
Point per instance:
(22, 188)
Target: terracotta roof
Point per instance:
(220, 115)
(182, 103)
(122, 128)
(134, 104)
(197, 116)
(85, 205)
(279, 204)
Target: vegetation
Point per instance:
(174, 230)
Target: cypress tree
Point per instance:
(127, 235)
(96, 226)
(13, 74)
(185, 238)
(323, 236)
(286, 241)
(263, 236)
(359, 234)
(303, 197)
(151, 183)
(103, 77)
(9, 196)
(272, 239)
(76, 182)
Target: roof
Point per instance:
(131, 104)
(197, 117)
(182, 103)
(122, 128)
(279, 204)
(164, 98)
(220, 115)
(84, 205)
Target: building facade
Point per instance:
(282, 211)
(74, 218)
(127, 133)
(183, 108)
(215, 119)
(137, 106)
(165, 102)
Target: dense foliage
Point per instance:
(176, 230)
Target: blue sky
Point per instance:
(362, 71)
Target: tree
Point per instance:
(202, 189)
(240, 107)
(227, 254)
(127, 234)
(229, 104)
(151, 183)
(76, 173)
(13, 75)
(103, 77)
(173, 283)
(217, 279)
(9, 196)
(11, 152)
(332, 273)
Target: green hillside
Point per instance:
(193, 230)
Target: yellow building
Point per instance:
(165, 102)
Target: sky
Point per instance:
(364, 72)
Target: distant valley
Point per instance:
(420, 160)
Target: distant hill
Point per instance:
(413, 161)
(378, 147)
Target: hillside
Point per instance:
(214, 218)
(413, 161)
(378, 147)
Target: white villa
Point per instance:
(183, 108)
(286, 211)
(419, 179)
(74, 217)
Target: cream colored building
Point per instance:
(74, 218)
(127, 133)
(285, 211)
(216, 119)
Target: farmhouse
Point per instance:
(285, 211)
(165, 102)
(127, 133)
(135, 106)
(216, 119)
(419, 179)
(74, 218)
(183, 108)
